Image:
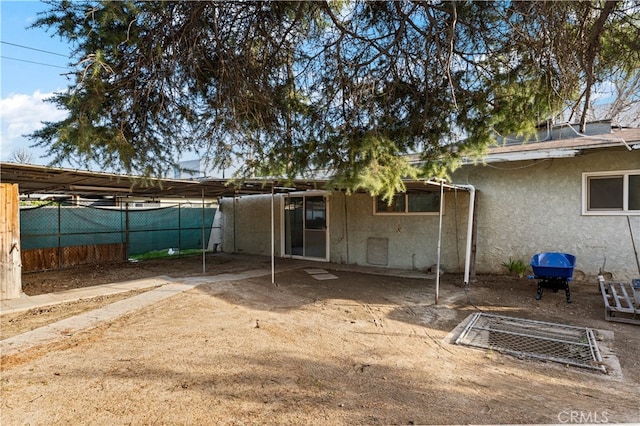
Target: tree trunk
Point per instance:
(10, 264)
(592, 50)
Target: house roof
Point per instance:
(566, 147)
(42, 179)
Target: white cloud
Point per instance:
(21, 114)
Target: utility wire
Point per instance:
(33, 62)
(33, 48)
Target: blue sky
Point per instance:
(24, 85)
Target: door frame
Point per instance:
(283, 239)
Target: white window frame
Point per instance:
(406, 211)
(625, 190)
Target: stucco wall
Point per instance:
(246, 225)
(529, 207)
(412, 240)
(523, 208)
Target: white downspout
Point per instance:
(273, 238)
(439, 242)
(467, 260)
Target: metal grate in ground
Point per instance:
(525, 338)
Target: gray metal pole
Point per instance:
(633, 243)
(127, 235)
(204, 261)
(59, 235)
(179, 229)
(273, 240)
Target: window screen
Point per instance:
(424, 202)
(397, 205)
(634, 192)
(606, 193)
(409, 203)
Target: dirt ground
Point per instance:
(359, 349)
(88, 275)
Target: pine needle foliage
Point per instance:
(287, 89)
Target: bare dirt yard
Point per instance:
(358, 349)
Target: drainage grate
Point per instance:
(533, 339)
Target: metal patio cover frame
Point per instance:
(36, 179)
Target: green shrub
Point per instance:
(516, 267)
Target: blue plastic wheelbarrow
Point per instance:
(553, 271)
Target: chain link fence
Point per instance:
(58, 234)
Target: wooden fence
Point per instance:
(10, 271)
(41, 259)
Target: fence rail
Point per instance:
(60, 235)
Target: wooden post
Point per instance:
(10, 263)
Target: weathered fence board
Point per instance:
(42, 259)
(10, 268)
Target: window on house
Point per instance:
(397, 205)
(611, 192)
(412, 203)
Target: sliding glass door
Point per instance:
(305, 226)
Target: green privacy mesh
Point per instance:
(64, 225)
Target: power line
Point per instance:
(33, 48)
(33, 62)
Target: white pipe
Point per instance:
(467, 260)
(472, 199)
(439, 242)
